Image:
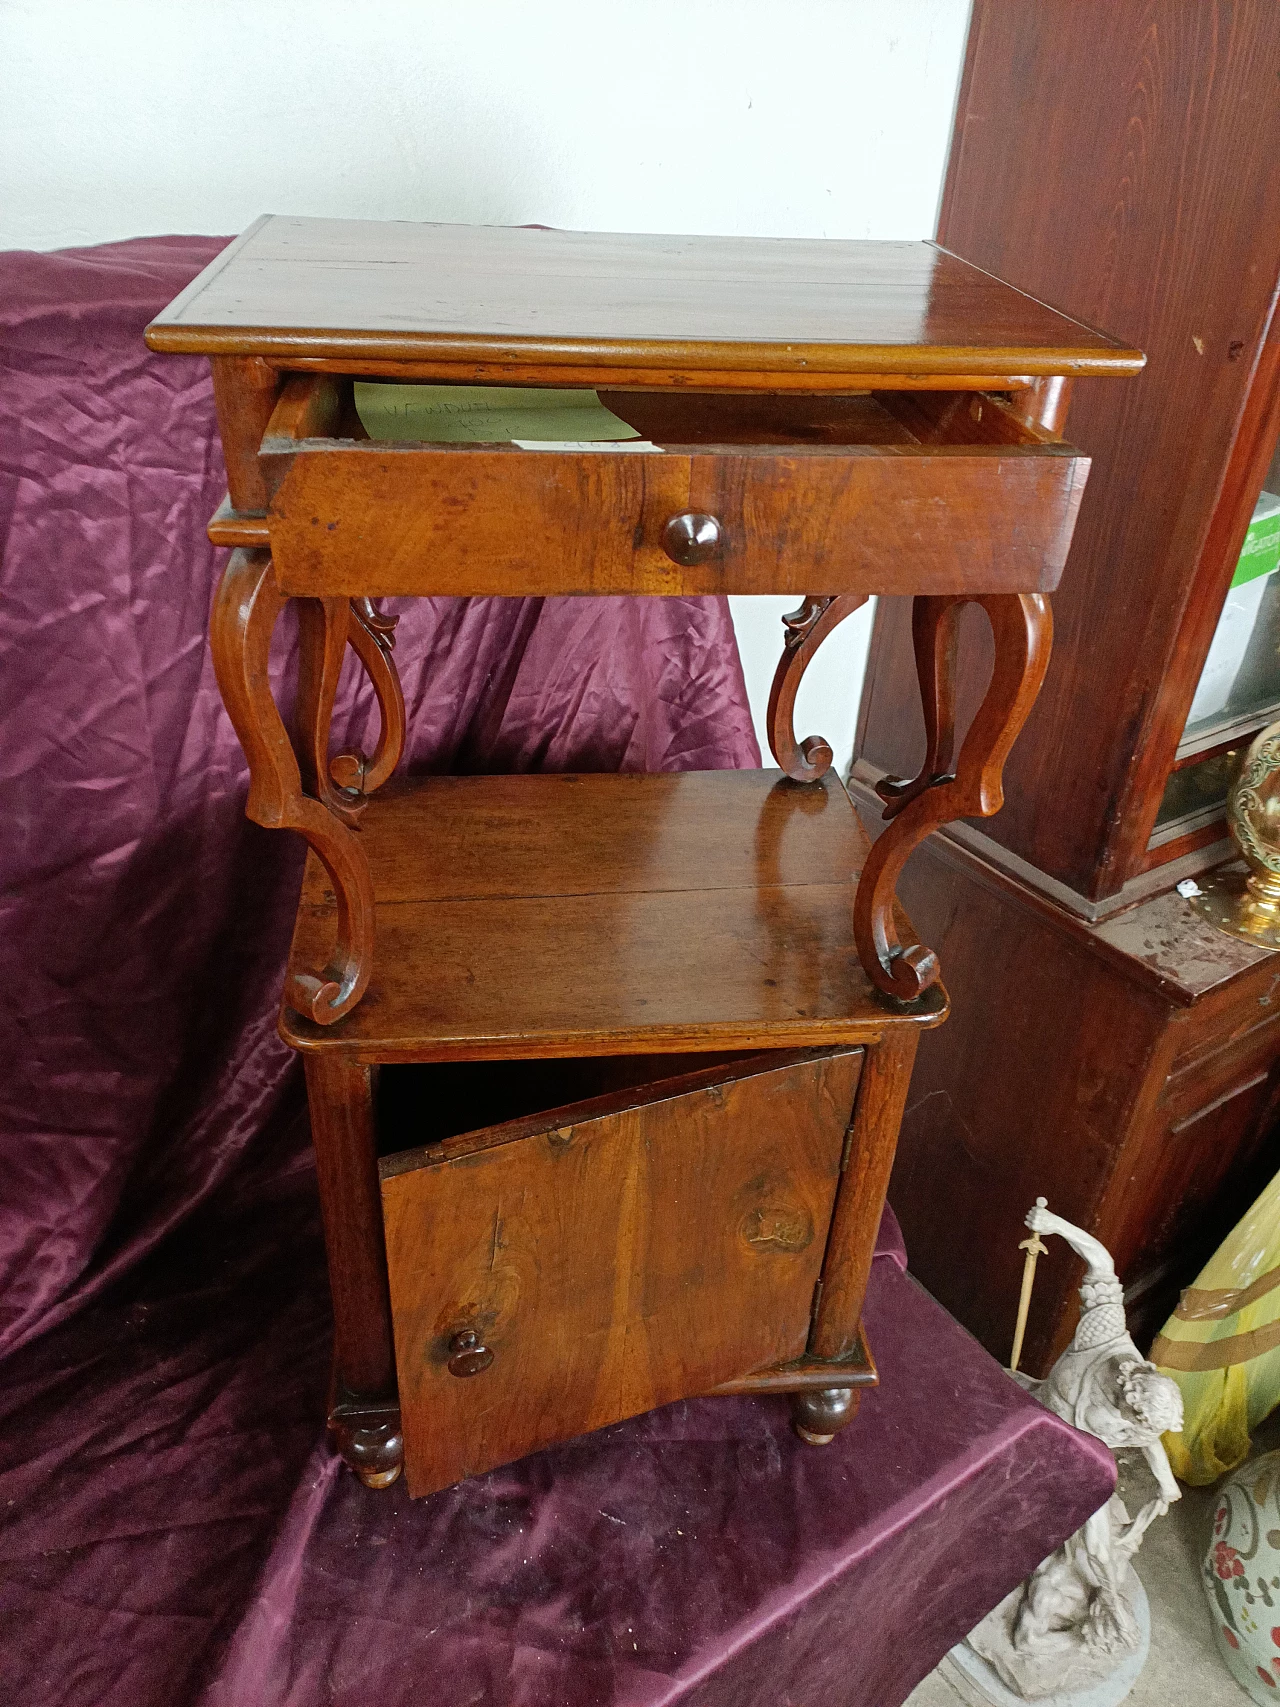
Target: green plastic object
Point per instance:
(1261, 552)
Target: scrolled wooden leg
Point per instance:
(1022, 625)
(323, 626)
(933, 635)
(819, 1415)
(245, 612)
(329, 994)
(807, 628)
(371, 637)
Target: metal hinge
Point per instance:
(848, 1147)
(817, 1299)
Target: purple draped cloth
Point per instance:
(144, 921)
(172, 1526)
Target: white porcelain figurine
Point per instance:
(1074, 1622)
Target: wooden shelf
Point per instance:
(589, 915)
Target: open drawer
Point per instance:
(888, 492)
(561, 1268)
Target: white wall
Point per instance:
(804, 118)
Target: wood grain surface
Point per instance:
(408, 520)
(856, 494)
(868, 1161)
(597, 915)
(583, 1264)
(944, 789)
(804, 758)
(641, 1250)
(246, 608)
(395, 290)
(245, 389)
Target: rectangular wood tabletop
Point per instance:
(293, 288)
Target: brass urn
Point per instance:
(1248, 905)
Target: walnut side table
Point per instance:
(606, 1072)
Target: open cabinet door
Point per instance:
(562, 1271)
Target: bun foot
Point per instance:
(380, 1478)
(370, 1441)
(818, 1415)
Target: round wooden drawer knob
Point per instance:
(468, 1355)
(691, 537)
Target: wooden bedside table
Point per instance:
(606, 1072)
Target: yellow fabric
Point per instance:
(1222, 1347)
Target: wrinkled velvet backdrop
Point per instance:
(144, 919)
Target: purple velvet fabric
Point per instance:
(174, 1530)
(172, 1526)
(144, 922)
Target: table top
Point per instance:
(394, 291)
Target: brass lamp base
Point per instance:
(1242, 905)
(1247, 903)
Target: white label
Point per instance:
(587, 444)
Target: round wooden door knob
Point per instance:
(468, 1355)
(691, 537)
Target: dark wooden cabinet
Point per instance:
(1109, 1050)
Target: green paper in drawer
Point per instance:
(484, 414)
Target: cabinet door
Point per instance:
(558, 1273)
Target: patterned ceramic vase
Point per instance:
(1242, 1576)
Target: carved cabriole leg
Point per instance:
(364, 1414)
(1022, 625)
(371, 637)
(807, 628)
(855, 1220)
(323, 626)
(245, 611)
(364, 1411)
(933, 635)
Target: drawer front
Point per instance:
(1216, 1063)
(627, 1254)
(1239, 1016)
(1199, 1164)
(384, 520)
(1208, 1167)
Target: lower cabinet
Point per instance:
(658, 1231)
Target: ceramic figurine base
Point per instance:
(978, 1685)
